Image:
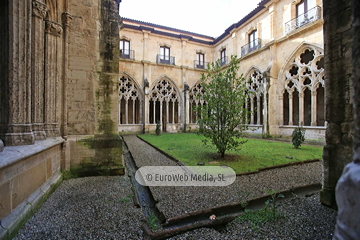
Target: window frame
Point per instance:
(252, 37)
(164, 54)
(201, 62)
(223, 56)
(125, 53)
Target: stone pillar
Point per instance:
(291, 107)
(15, 72)
(339, 114)
(187, 113)
(301, 108)
(66, 18)
(53, 31)
(258, 109)
(107, 92)
(348, 187)
(39, 13)
(252, 110)
(313, 108)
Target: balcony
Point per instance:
(251, 46)
(127, 54)
(165, 59)
(308, 17)
(200, 64)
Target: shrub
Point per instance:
(298, 136)
(158, 129)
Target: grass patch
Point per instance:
(255, 154)
(257, 217)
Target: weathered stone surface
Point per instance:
(338, 70)
(348, 187)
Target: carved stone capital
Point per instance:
(53, 28)
(66, 18)
(39, 9)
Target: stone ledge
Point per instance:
(15, 220)
(13, 154)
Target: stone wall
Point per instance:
(28, 174)
(339, 90)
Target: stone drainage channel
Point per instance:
(198, 219)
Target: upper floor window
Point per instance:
(304, 6)
(223, 56)
(124, 49)
(306, 12)
(253, 36)
(200, 60)
(164, 54)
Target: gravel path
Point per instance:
(174, 201)
(87, 208)
(102, 207)
(303, 218)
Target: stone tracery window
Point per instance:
(255, 100)
(164, 105)
(303, 95)
(130, 99)
(195, 100)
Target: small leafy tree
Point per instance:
(298, 136)
(223, 116)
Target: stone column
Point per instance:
(301, 108)
(258, 110)
(291, 107)
(39, 13)
(313, 108)
(252, 109)
(15, 72)
(53, 31)
(187, 112)
(339, 111)
(66, 18)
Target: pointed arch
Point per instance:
(301, 75)
(256, 90)
(195, 101)
(130, 99)
(164, 102)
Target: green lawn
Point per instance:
(255, 154)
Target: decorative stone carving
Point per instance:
(166, 95)
(53, 28)
(130, 99)
(39, 9)
(66, 18)
(195, 99)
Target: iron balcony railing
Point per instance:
(127, 54)
(308, 17)
(222, 61)
(200, 64)
(165, 59)
(251, 46)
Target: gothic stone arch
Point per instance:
(164, 103)
(302, 80)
